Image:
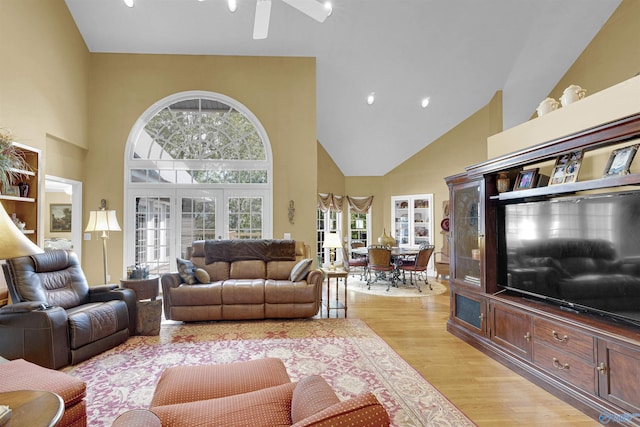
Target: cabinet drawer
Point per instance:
(566, 366)
(566, 339)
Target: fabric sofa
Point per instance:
(257, 393)
(56, 318)
(586, 271)
(22, 375)
(243, 279)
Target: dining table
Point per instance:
(398, 254)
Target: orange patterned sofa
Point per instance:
(256, 393)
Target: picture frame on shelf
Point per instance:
(566, 168)
(60, 214)
(526, 179)
(11, 190)
(620, 161)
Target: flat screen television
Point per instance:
(580, 252)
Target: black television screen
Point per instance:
(581, 252)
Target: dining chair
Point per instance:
(350, 263)
(380, 264)
(418, 266)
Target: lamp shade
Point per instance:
(13, 242)
(332, 240)
(102, 221)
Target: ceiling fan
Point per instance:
(311, 8)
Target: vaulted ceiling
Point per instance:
(456, 52)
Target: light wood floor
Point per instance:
(486, 391)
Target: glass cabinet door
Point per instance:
(422, 220)
(467, 226)
(401, 220)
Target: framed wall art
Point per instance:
(620, 161)
(566, 168)
(526, 179)
(60, 217)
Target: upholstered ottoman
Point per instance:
(255, 393)
(22, 375)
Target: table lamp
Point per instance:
(332, 241)
(103, 221)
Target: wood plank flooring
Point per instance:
(486, 391)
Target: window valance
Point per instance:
(334, 203)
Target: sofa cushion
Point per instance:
(202, 276)
(300, 270)
(199, 294)
(279, 270)
(361, 411)
(311, 395)
(20, 375)
(180, 384)
(187, 270)
(269, 407)
(252, 269)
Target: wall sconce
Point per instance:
(292, 211)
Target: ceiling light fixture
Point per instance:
(232, 5)
(261, 26)
(425, 102)
(371, 98)
(329, 7)
(128, 3)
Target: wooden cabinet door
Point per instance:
(619, 371)
(511, 329)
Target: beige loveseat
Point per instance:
(247, 279)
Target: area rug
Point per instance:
(402, 290)
(346, 352)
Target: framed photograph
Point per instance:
(60, 218)
(566, 168)
(526, 179)
(620, 160)
(11, 190)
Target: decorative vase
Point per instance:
(386, 240)
(503, 183)
(572, 94)
(24, 189)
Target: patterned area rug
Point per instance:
(346, 352)
(402, 290)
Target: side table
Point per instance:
(336, 273)
(149, 312)
(33, 408)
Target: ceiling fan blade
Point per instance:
(261, 23)
(310, 8)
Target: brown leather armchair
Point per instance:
(55, 318)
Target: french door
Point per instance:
(166, 222)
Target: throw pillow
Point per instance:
(202, 276)
(186, 271)
(300, 270)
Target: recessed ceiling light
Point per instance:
(128, 3)
(371, 98)
(329, 7)
(232, 5)
(425, 102)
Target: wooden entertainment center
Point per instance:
(590, 361)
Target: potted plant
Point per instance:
(11, 161)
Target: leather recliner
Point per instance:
(55, 318)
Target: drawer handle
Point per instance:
(527, 336)
(557, 337)
(602, 368)
(560, 366)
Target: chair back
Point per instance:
(357, 244)
(424, 254)
(379, 257)
(54, 277)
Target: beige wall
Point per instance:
(279, 91)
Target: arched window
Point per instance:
(198, 166)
